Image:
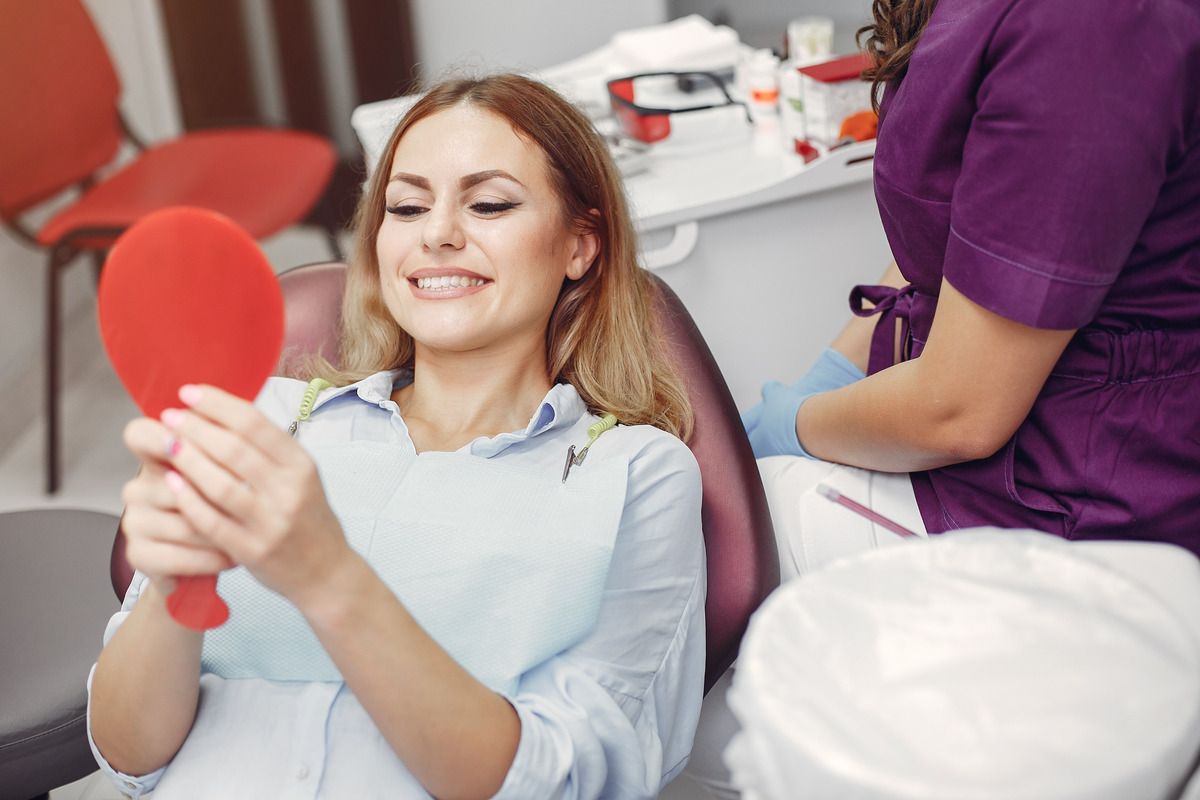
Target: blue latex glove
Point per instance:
(771, 425)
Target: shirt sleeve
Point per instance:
(131, 785)
(614, 716)
(1079, 111)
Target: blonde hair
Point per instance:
(603, 338)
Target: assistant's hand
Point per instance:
(252, 491)
(159, 542)
(771, 425)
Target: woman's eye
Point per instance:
(492, 208)
(406, 211)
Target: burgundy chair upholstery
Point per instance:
(743, 566)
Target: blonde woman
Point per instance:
(423, 601)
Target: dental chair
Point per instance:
(743, 565)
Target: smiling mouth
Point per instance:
(445, 283)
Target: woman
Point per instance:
(1035, 361)
(424, 602)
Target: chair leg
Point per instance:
(59, 256)
(335, 247)
(98, 257)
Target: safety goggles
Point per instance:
(682, 106)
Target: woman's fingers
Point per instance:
(161, 525)
(161, 559)
(229, 493)
(147, 489)
(149, 440)
(229, 449)
(240, 416)
(220, 529)
(161, 544)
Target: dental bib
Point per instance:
(504, 566)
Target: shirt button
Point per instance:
(302, 773)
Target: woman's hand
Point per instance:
(159, 541)
(251, 491)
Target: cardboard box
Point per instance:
(828, 93)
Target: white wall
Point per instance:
(762, 23)
(520, 34)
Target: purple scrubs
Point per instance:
(1043, 156)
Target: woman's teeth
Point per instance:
(443, 282)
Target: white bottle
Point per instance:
(762, 85)
(810, 40)
(791, 102)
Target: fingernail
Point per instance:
(172, 418)
(190, 394)
(174, 480)
(173, 446)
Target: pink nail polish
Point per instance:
(190, 394)
(173, 447)
(172, 418)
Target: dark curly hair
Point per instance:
(891, 39)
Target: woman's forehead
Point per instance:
(464, 140)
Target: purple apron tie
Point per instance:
(891, 304)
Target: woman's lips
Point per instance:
(446, 283)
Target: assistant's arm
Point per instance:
(854, 340)
(962, 399)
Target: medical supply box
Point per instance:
(826, 94)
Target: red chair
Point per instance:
(62, 128)
(743, 566)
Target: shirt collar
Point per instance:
(561, 407)
(374, 389)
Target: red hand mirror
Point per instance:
(186, 296)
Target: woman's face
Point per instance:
(473, 248)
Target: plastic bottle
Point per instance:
(762, 85)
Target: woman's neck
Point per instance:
(457, 397)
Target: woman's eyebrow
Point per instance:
(407, 177)
(467, 181)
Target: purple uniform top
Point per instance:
(1043, 156)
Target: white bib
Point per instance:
(500, 596)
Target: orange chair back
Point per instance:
(58, 92)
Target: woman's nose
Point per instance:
(442, 229)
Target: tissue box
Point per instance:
(829, 93)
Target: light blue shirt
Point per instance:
(612, 715)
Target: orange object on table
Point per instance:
(860, 127)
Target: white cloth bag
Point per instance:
(978, 664)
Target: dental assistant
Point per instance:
(1032, 357)
(1036, 360)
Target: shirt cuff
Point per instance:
(130, 785)
(1026, 294)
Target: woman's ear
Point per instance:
(587, 248)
